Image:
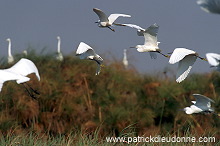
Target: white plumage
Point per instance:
(214, 60)
(150, 37)
(59, 56)
(202, 104)
(105, 21)
(125, 60)
(186, 59)
(84, 51)
(18, 72)
(210, 6)
(10, 57)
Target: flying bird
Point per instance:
(140, 30)
(59, 56)
(186, 59)
(10, 57)
(210, 6)
(201, 105)
(151, 43)
(214, 60)
(125, 60)
(19, 72)
(105, 21)
(84, 51)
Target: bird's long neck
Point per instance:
(58, 45)
(9, 48)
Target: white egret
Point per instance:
(84, 51)
(19, 72)
(125, 60)
(59, 56)
(186, 59)
(201, 105)
(214, 60)
(151, 43)
(105, 21)
(210, 6)
(10, 57)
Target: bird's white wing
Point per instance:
(210, 6)
(140, 30)
(202, 101)
(24, 67)
(102, 16)
(113, 17)
(98, 69)
(84, 50)
(184, 67)
(213, 58)
(178, 54)
(150, 35)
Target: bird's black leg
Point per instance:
(163, 54)
(110, 28)
(35, 91)
(30, 94)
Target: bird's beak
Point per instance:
(132, 47)
(96, 22)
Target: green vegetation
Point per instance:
(77, 107)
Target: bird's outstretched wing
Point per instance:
(102, 16)
(113, 17)
(210, 6)
(203, 101)
(24, 67)
(84, 50)
(140, 30)
(150, 35)
(184, 67)
(213, 58)
(178, 54)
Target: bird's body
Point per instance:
(105, 21)
(18, 72)
(84, 51)
(214, 60)
(125, 60)
(210, 6)
(201, 105)
(150, 36)
(59, 56)
(10, 57)
(186, 59)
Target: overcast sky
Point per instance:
(38, 23)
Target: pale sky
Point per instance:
(38, 23)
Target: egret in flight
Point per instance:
(59, 56)
(210, 6)
(214, 60)
(151, 43)
(125, 60)
(201, 105)
(84, 51)
(105, 21)
(186, 59)
(19, 72)
(10, 57)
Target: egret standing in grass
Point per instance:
(210, 6)
(125, 60)
(105, 21)
(10, 57)
(18, 72)
(201, 105)
(186, 59)
(214, 60)
(59, 56)
(151, 43)
(84, 51)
